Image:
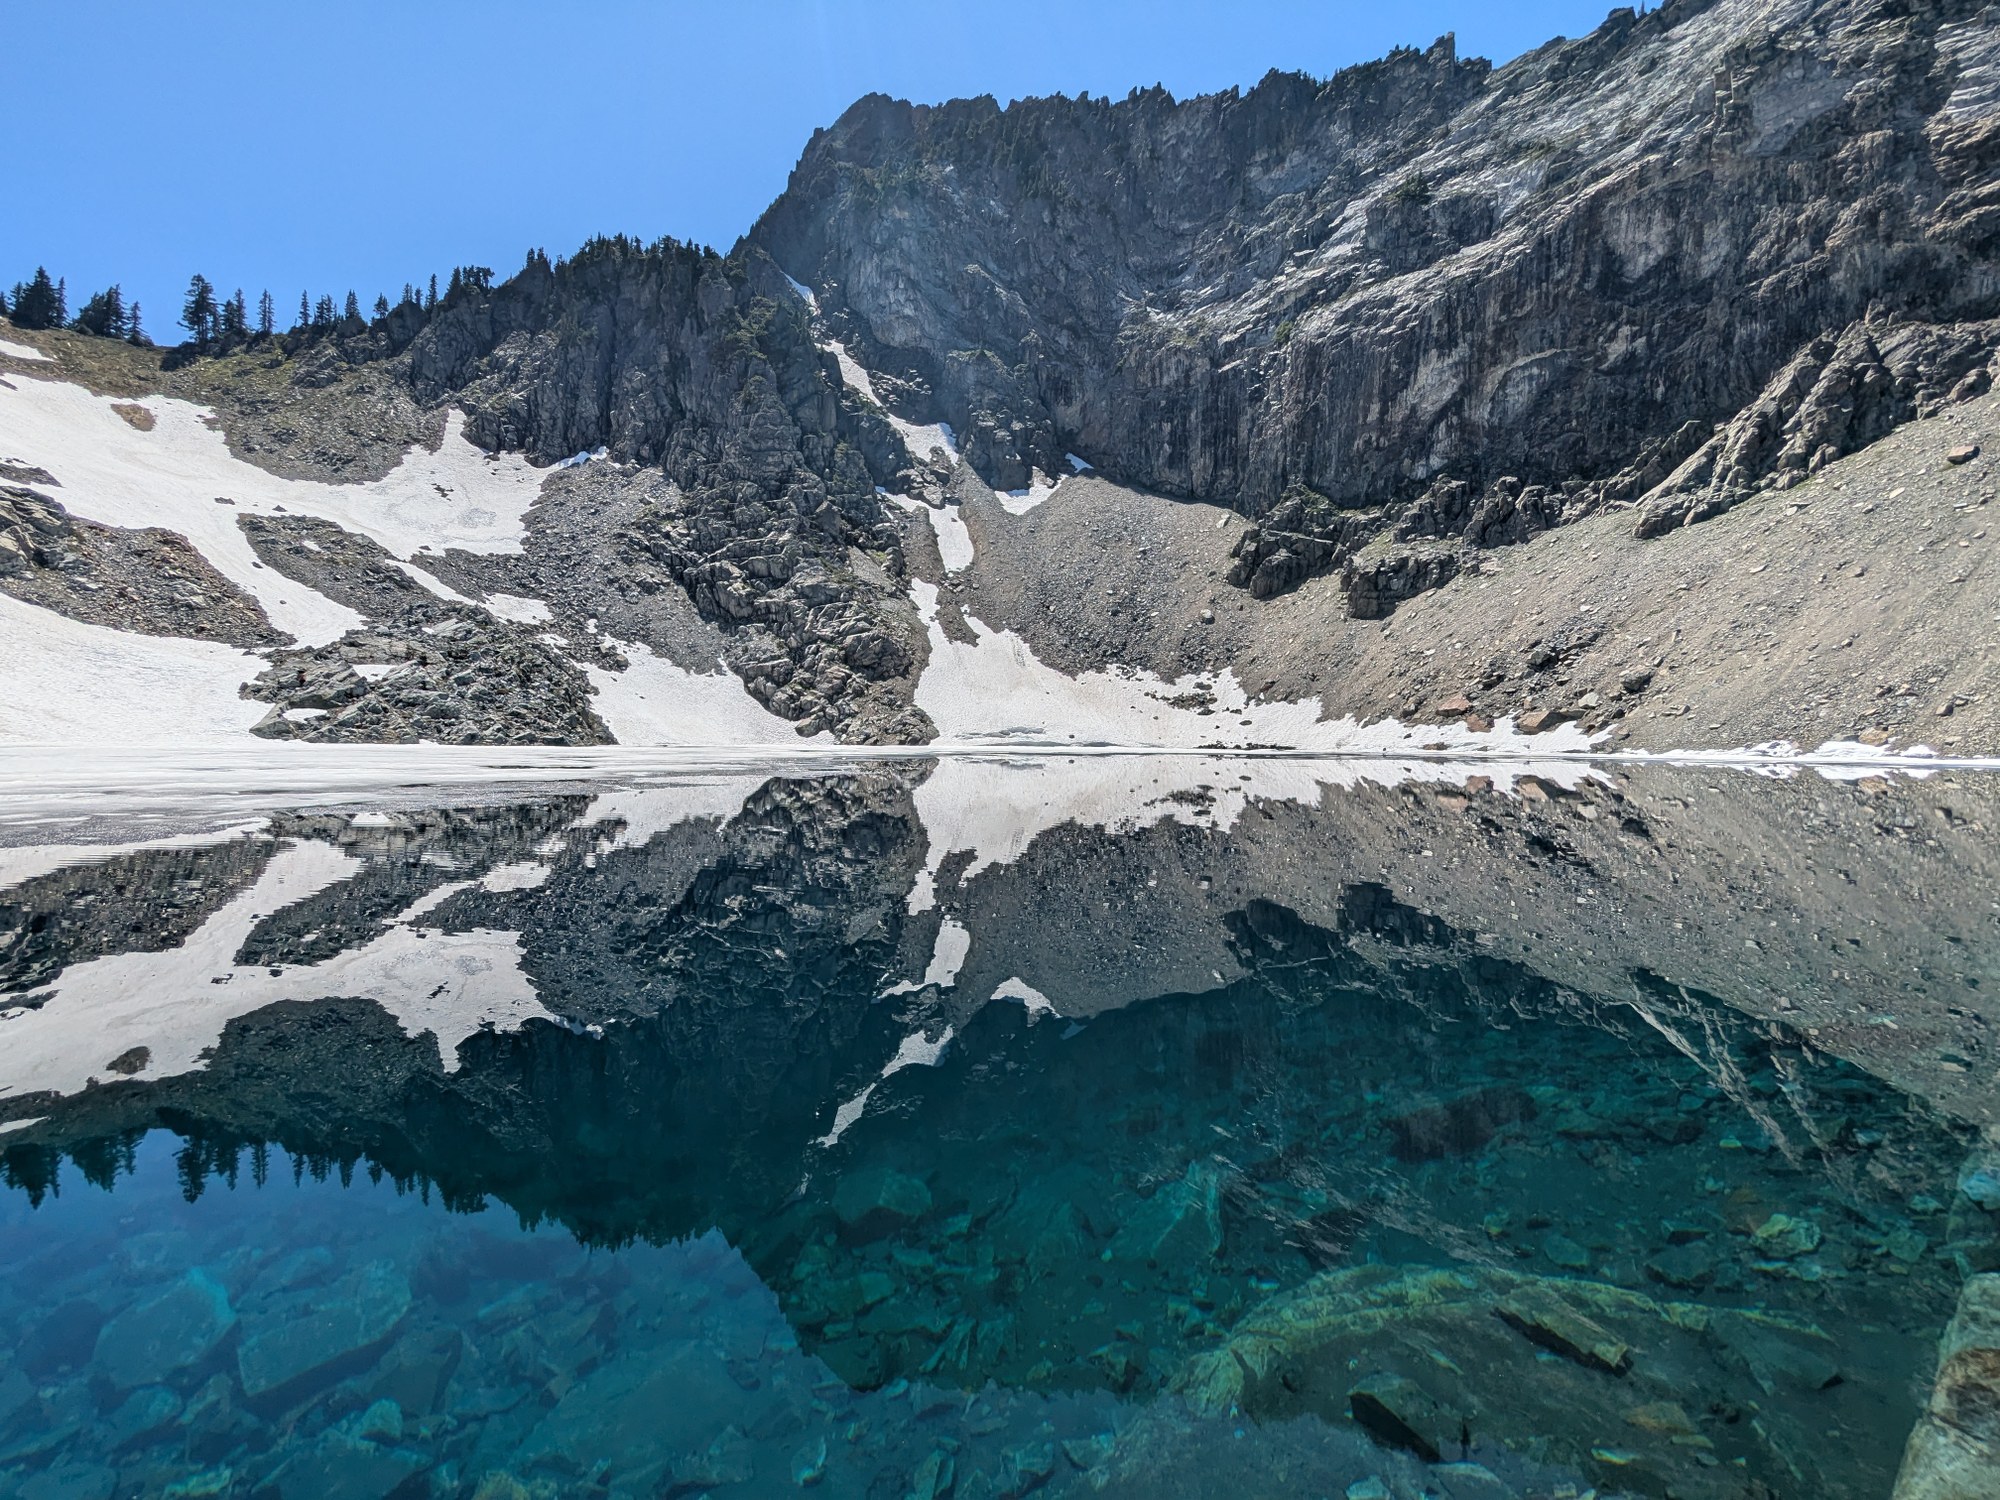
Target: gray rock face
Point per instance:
(151, 581)
(450, 674)
(706, 366)
(1482, 302)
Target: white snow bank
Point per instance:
(954, 541)
(805, 292)
(173, 476)
(517, 609)
(1019, 989)
(654, 702)
(997, 690)
(919, 437)
(175, 1004)
(1020, 502)
(435, 585)
(21, 351)
(63, 682)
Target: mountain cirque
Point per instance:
(1641, 382)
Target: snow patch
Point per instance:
(805, 292)
(442, 590)
(947, 525)
(22, 351)
(948, 950)
(63, 682)
(172, 475)
(518, 609)
(654, 702)
(1020, 502)
(524, 875)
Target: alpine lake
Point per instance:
(992, 1127)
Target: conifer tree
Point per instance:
(103, 315)
(351, 313)
(322, 314)
(40, 303)
(198, 311)
(305, 313)
(134, 333)
(431, 304)
(267, 313)
(235, 322)
(381, 307)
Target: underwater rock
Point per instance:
(1566, 1252)
(1545, 1319)
(341, 1466)
(151, 1343)
(877, 1201)
(1181, 1222)
(70, 1482)
(297, 1342)
(145, 1411)
(1954, 1450)
(63, 1340)
(1782, 1237)
(730, 1459)
(1554, 1374)
(1026, 1469)
(1399, 1413)
(934, 1476)
(653, 1401)
(1779, 1353)
(1459, 1126)
(1690, 1266)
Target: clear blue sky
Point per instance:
(363, 144)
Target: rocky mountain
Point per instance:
(1195, 387)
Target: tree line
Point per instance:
(40, 302)
(217, 324)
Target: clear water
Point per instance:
(754, 1137)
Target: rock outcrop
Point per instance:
(448, 674)
(1433, 297)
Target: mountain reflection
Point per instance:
(1223, 1100)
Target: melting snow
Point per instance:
(63, 682)
(1020, 502)
(654, 702)
(172, 476)
(21, 351)
(947, 525)
(521, 611)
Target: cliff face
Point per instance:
(675, 357)
(1448, 302)
(1396, 320)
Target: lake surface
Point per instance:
(984, 1128)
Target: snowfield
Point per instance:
(182, 477)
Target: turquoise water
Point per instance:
(687, 1155)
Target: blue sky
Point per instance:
(366, 144)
